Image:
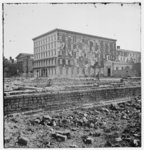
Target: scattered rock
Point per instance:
(73, 146)
(123, 116)
(136, 135)
(95, 133)
(47, 117)
(80, 122)
(108, 144)
(118, 139)
(48, 144)
(14, 120)
(7, 139)
(105, 110)
(85, 120)
(66, 132)
(107, 130)
(88, 140)
(113, 127)
(50, 128)
(74, 129)
(113, 107)
(85, 115)
(22, 141)
(87, 129)
(38, 120)
(136, 142)
(59, 137)
(54, 123)
(92, 125)
(64, 120)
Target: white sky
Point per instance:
(25, 21)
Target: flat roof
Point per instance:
(26, 54)
(124, 50)
(73, 32)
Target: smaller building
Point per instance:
(25, 64)
(128, 63)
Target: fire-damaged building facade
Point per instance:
(62, 53)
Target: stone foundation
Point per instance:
(62, 100)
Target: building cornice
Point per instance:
(73, 32)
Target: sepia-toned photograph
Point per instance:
(71, 75)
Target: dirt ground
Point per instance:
(109, 125)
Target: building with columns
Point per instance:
(25, 64)
(62, 53)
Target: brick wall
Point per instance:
(55, 101)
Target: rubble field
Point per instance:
(116, 124)
(18, 86)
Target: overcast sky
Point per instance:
(23, 22)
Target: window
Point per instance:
(55, 61)
(54, 52)
(60, 61)
(54, 37)
(71, 62)
(66, 61)
(52, 71)
(55, 44)
(66, 71)
(60, 70)
(78, 70)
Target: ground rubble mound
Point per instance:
(112, 125)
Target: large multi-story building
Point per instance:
(65, 53)
(62, 53)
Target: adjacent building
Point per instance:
(25, 64)
(62, 53)
(128, 63)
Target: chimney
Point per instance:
(118, 47)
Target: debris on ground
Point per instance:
(111, 125)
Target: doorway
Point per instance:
(109, 72)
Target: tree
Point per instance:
(9, 67)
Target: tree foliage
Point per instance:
(9, 67)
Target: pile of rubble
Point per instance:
(16, 86)
(113, 125)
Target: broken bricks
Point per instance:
(61, 135)
(66, 132)
(95, 133)
(129, 133)
(23, 141)
(118, 139)
(87, 139)
(47, 117)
